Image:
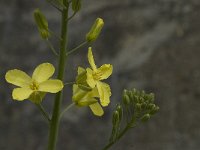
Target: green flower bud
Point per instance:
(126, 99)
(42, 24)
(145, 118)
(138, 107)
(76, 5)
(154, 110)
(143, 105)
(94, 32)
(115, 118)
(119, 109)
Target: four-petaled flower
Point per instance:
(94, 77)
(35, 87)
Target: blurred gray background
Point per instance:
(153, 45)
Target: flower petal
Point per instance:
(51, 86)
(105, 71)
(21, 94)
(43, 72)
(96, 109)
(90, 80)
(18, 78)
(104, 93)
(91, 59)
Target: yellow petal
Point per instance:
(43, 72)
(51, 86)
(105, 71)
(18, 78)
(104, 93)
(91, 59)
(90, 80)
(96, 109)
(21, 94)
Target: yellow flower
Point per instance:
(87, 98)
(35, 87)
(94, 77)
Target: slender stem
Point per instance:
(54, 5)
(76, 48)
(128, 126)
(66, 109)
(72, 16)
(44, 113)
(120, 135)
(54, 126)
(51, 47)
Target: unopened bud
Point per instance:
(119, 109)
(115, 118)
(76, 5)
(94, 32)
(126, 99)
(145, 118)
(154, 110)
(42, 24)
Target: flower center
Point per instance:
(97, 75)
(34, 86)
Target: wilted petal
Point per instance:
(21, 94)
(18, 78)
(51, 86)
(43, 72)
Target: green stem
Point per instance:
(44, 113)
(128, 126)
(76, 48)
(54, 125)
(72, 16)
(120, 135)
(51, 47)
(66, 109)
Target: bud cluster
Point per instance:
(136, 106)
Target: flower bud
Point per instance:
(115, 118)
(138, 107)
(94, 32)
(42, 24)
(119, 109)
(154, 110)
(126, 99)
(145, 118)
(76, 5)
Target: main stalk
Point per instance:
(54, 124)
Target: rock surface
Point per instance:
(153, 45)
